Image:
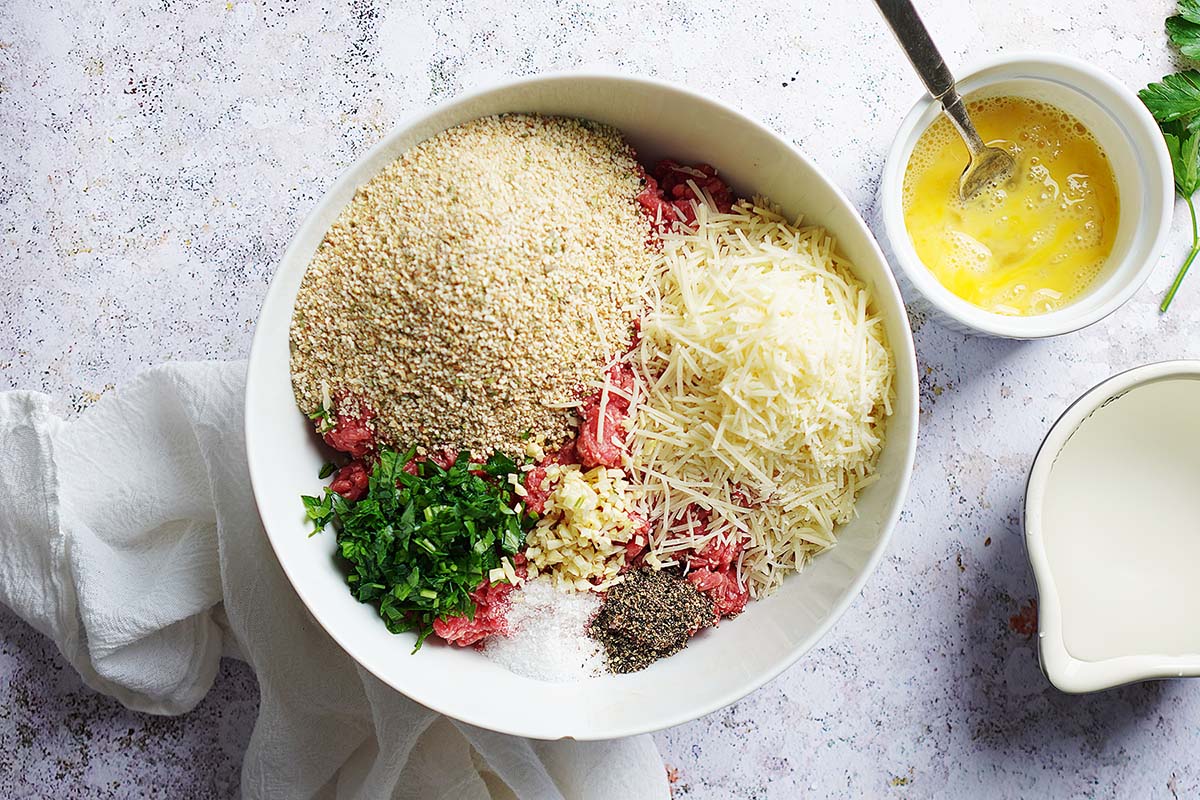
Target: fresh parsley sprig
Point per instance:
(1183, 29)
(418, 545)
(1175, 104)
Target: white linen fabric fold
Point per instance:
(130, 537)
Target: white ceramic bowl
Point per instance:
(1056, 630)
(1141, 166)
(720, 666)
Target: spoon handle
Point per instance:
(927, 61)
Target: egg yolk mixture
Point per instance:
(1032, 245)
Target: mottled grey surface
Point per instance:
(155, 158)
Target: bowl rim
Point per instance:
(1065, 672)
(1154, 170)
(903, 351)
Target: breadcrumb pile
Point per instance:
(473, 287)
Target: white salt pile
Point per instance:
(546, 634)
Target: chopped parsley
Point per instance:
(418, 545)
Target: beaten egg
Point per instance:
(1027, 247)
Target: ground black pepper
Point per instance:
(648, 616)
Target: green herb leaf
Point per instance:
(1174, 97)
(319, 509)
(327, 470)
(1183, 29)
(1184, 148)
(1190, 10)
(417, 545)
(311, 505)
(1184, 33)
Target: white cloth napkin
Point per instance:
(129, 536)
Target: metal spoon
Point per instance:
(988, 166)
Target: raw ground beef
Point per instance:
(717, 556)
(713, 570)
(492, 601)
(639, 541)
(351, 481)
(601, 441)
(729, 598)
(668, 198)
(352, 434)
(491, 616)
(535, 490)
(443, 458)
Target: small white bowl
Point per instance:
(1141, 166)
(1095, 632)
(719, 666)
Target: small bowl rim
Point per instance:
(1155, 174)
(1066, 672)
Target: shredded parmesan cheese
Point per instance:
(764, 381)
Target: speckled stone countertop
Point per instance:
(155, 158)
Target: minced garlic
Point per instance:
(580, 539)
